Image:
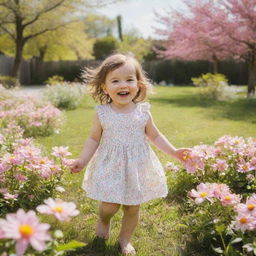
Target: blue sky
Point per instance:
(140, 13)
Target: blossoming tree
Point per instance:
(213, 31)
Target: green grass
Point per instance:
(186, 120)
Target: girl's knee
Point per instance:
(131, 210)
(109, 208)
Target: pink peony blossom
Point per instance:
(61, 210)
(25, 229)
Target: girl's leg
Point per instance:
(129, 223)
(106, 212)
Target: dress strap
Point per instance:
(145, 110)
(101, 111)
(145, 106)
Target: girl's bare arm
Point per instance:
(158, 139)
(92, 142)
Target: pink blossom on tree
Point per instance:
(213, 30)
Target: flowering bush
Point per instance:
(231, 225)
(54, 80)
(65, 95)
(22, 232)
(35, 117)
(213, 86)
(27, 177)
(231, 160)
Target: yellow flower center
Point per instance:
(203, 194)
(243, 220)
(42, 161)
(186, 157)
(250, 207)
(26, 230)
(227, 198)
(244, 167)
(58, 209)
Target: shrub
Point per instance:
(54, 80)
(27, 176)
(214, 86)
(35, 117)
(9, 81)
(220, 220)
(103, 47)
(65, 95)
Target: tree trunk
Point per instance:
(19, 43)
(17, 61)
(215, 64)
(252, 76)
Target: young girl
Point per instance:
(123, 169)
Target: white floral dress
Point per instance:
(124, 169)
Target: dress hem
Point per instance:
(124, 203)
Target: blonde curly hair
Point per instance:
(95, 78)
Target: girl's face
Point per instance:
(121, 84)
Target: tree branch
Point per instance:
(8, 32)
(42, 12)
(47, 30)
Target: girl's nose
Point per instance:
(123, 85)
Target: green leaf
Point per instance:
(182, 225)
(69, 246)
(220, 228)
(237, 240)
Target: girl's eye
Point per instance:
(130, 80)
(114, 81)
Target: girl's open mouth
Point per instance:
(123, 94)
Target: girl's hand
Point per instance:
(181, 154)
(77, 166)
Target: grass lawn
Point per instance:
(186, 120)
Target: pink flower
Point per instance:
(230, 199)
(10, 196)
(172, 167)
(220, 165)
(25, 229)
(220, 190)
(253, 163)
(67, 162)
(3, 190)
(20, 177)
(193, 162)
(60, 152)
(245, 222)
(243, 166)
(61, 210)
(204, 191)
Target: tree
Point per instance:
(97, 26)
(66, 43)
(194, 36)
(119, 27)
(223, 29)
(133, 42)
(103, 47)
(23, 20)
